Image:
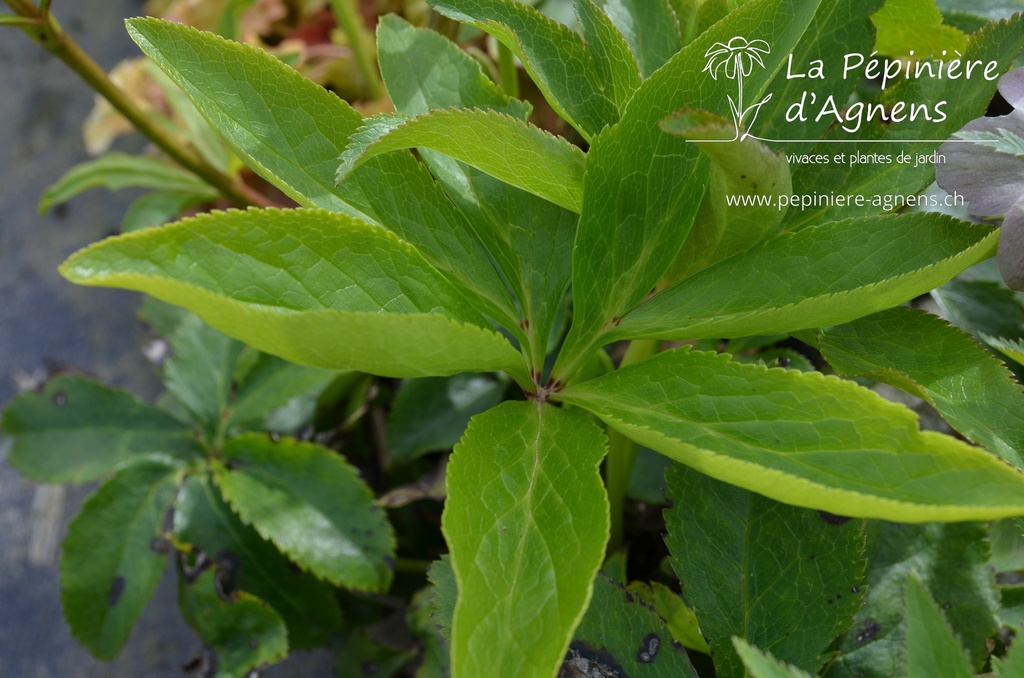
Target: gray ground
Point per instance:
(47, 323)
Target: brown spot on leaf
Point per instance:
(60, 399)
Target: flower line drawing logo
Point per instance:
(737, 58)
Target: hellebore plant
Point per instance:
(461, 259)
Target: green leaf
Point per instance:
(246, 633)
(529, 238)
(650, 29)
(199, 373)
(313, 287)
(915, 27)
(880, 184)
(76, 430)
(952, 560)
(436, 658)
(678, 616)
(820, 276)
(837, 22)
(425, 71)
(117, 171)
(1007, 540)
(555, 57)
(1011, 666)
(745, 169)
(197, 131)
(156, 209)
(543, 164)
(291, 131)
(621, 632)
(1014, 350)
(307, 605)
(764, 665)
(432, 414)
(272, 383)
(525, 556)
(981, 307)
(613, 59)
(932, 649)
(804, 439)
(780, 577)
(444, 594)
(110, 564)
(643, 187)
(925, 356)
(313, 506)
(361, 654)
(283, 126)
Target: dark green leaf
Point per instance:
(982, 307)
(1012, 666)
(647, 483)
(804, 439)
(75, 430)
(837, 22)
(432, 413)
(782, 578)
(313, 506)
(272, 383)
(361, 655)
(922, 354)
(525, 557)
(110, 566)
(443, 594)
(117, 171)
(650, 29)
(555, 57)
(425, 71)
(246, 633)
(1011, 607)
(621, 633)
(199, 373)
(435, 655)
(952, 560)
(307, 605)
(932, 649)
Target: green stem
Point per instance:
(509, 73)
(355, 30)
(45, 30)
(622, 453)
